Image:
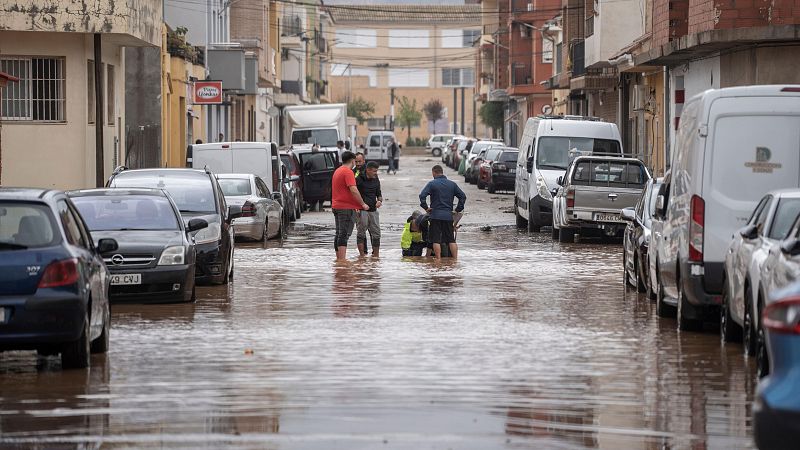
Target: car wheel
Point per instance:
(75, 355)
(748, 330)
(729, 331)
(762, 357)
(685, 323)
(532, 227)
(293, 217)
(521, 222)
(566, 234)
(490, 188)
(436, 152)
(298, 211)
(662, 308)
(637, 279)
(100, 345)
(481, 184)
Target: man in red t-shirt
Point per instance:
(345, 201)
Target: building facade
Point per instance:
(384, 53)
(50, 116)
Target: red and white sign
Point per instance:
(207, 92)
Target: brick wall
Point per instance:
(670, 20)
(707, 15)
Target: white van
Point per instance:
(259, 158)
(733, 146)
(378, 146)
(437, 142)
(544, 154)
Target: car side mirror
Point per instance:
(560, 181)
(529, 165)
(107, 245)
(629, 214)
(749, 232)
(234, 212)
(660, 205)
(791, 247)
(196, 225)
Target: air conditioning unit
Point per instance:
(530, 6)
(639, 97)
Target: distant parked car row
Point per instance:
(489, 164)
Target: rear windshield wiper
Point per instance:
(12, 246)
(550, 166)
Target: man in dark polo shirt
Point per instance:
(442, 191)
(369, 186)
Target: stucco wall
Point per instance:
(138, 19)
(61, 155)
(617, 24)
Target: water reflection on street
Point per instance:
(521, 343)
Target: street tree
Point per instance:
(492, 116)
(408, 115)
(360, 108)
(434, 111)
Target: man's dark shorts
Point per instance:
(441, 232)
(345, 222)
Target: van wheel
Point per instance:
(685, 323)
(662, 308)
(75, 355)
(729, 331)
(748, 330)
(521, 222)
(566, 234)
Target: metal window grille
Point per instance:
(40, 93)
(458, 77)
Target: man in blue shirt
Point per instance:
(442, 191)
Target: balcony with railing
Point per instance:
(522, 81)
(595, 80)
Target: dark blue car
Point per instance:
(776, 412)
(53, 282)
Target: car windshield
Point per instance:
(26, 225)
(509, 156)
(235, 186)
(553, 153)
(491, 154)
(323, 138)
(192, 191)
(785, 215)
(126, 212)
(609, 173)
(477, 148)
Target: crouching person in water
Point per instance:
(413, 240)
(369, 186)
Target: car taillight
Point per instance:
(60, 273)
(696, 225)
(783, 316)
(248, 210)
(571, 197)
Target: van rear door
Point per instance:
(753, 146)
(216, 159)
(255, 160)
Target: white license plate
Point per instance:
(512, 171)
(608, 218)
(126, 279)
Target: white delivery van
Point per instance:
(378, 146)
(259, 158)
(547, 147)
(733, 146)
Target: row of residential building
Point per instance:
(632, 62)
(87, 87)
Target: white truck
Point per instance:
(309, 125)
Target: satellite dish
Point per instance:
(273, 111)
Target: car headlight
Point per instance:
(172, 256)
(541, 185)
(210, 234)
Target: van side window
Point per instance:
(375, 141)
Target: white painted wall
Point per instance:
(61, 155)
(618, 23)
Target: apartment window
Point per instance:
(409, 38)
(408, 78)
(39, 95)
(547, 51)
(458, 38)
(356, 38)
(376, 123)
(110, 98)
(90, 92)
(458, 77)
(342, 70)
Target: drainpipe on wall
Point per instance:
(99, 122)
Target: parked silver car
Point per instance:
(593, 193)
(261, 212)
(742, 295)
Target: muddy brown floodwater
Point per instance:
(522, 343)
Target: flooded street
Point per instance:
(521, 343)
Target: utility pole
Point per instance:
(474, 113)
(98, 111)
(455, 110)
(463, 118)
(391, 111)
